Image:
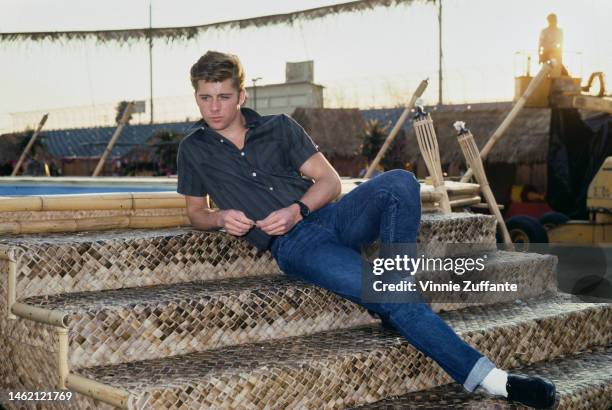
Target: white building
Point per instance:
(298, 90)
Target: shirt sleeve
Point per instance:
(301, 146)
(189, 182)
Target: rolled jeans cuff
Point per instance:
(480, 370)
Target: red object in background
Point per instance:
(534, 209)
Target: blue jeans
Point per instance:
(324, 249)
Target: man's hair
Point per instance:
(552, 18)
(216, 67)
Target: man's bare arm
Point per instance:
(327, 184)
(326, 188)
(203, 217)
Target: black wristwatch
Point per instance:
(304, 210)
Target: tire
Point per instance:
(553, 219)
(582, 270)
(525, 230)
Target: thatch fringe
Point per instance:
(337, 131)
(186, 33)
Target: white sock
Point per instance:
(495, 382)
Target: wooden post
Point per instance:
(28, 147)
(129, 108)
(472, 157)
(398, 125)
(99, 391)
(62, 356)
(518, 106)
(12, 281)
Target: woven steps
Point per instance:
(344, 368)
(115, 326)
(53, 264)
(584, 382)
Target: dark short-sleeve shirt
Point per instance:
(258, 179)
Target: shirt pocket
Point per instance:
(270, 155)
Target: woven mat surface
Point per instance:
(50, 264)
(509, 264)
(583, 381)
(354, 366)
(125, 325)
(54, 264)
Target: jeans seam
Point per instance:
(325, 228)
(380, 191)
(393, 217)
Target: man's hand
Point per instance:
(235, 222)
(280, 222)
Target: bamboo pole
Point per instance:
(160, 200)
(168, 221)
(12, 282)
(50, 317)
(398, 125)
(62, 356)
(93, 202)
(456, 203)
(93, 224)
(102, 223)
(28, 147)
(20, 204)
(103, 392)
(472, 156)
(518, 106)
(129, 108)
(87, 202)
(430, 196)
(428, 144)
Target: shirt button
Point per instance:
(242, 153)
(254, 174)
(271, 189)
(221, 141)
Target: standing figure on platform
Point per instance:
(550, 45)
(275, 189)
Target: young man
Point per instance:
(253, 168)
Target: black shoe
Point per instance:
(532, 391)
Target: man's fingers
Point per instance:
(240, 219)
(279, 225)
(238, 226)
(243, 218)
(278, 231)
(268, 221)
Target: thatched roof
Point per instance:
(185, 33)
(526, 141)
(337, 131)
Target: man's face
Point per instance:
(219, 103)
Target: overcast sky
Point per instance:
(372, 58)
